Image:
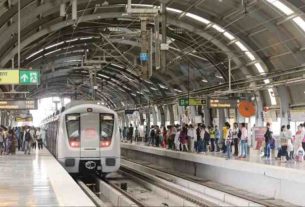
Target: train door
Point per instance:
(90, 135)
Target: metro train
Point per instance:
(84, 137)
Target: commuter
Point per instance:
(212, 138)
(130, 133)
(228, 140)
(217, 138)
(268, 137)
(1, 141)
(152, 136)
(224, 138)
(11, 144)
(191, 133)
(125, 133)
(198, 130)
(300, 154)
(28, 141)
(17, 133)
(4, 138)
(244, 141)
(183, 139)
(176, 139)
(157, 136)
(298, 139)
(39, 138)
(32, 132)
(136, 134)
(235, 138)
(164, 142)
(171, 137)
(283, 154)
(206, 138)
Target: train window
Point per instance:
(73, 129)
(106, 129)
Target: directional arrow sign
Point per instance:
(29, 77)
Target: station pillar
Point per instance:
(284, 104)
(154, 113)
(207, 116)
(162, 115)
(222, 120)
(171, 114)
(259, 119)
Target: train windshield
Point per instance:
(73, 129)
(106, 128)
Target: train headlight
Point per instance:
(75, 144)
(105, 143)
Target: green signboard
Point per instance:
(192, 102)
(29, 77)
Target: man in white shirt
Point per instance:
(191, 133)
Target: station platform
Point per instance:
(38, 180)
(271, 178)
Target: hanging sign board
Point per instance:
(22, 119)
(19, 77)
(222, 103)
(18, 104)
(192, 102)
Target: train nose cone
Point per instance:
(90, 165)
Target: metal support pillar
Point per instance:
(164, 36)
(207, 116)
(171, 114)
(222, 119)
(284, 105)
(162, 115)
(259, 119)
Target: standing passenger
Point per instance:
(176, 140)
(183, 138)
(217, 138)
(28, 140)
(244, 140)
(130, 133)
(191, 135)
(1, 141)
(228, 140)
(212, 136)
(235, 138)
(268, 137)
(39, 138)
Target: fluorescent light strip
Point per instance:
(266, 81)
(198, 18)
(54, 45)
(259, 68)
(229, 36)
(49, 53)
(300, 22)
(218, 28)
(204, 80)
(104, 76)
(241, 46)
(33, 54)
(115, 65)
(281, 6)
(250, 56)
(218, 76)
(152, 88)
(177, 90)
(173, 10)
(86, 38)
(72, 40)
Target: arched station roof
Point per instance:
(264, 39)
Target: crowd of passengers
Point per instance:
(19, 138)
(231, 141)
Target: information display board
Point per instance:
(223, 103)
(24, 119)
(22, 77)
(192, 102)
(18, 104)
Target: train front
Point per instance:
(92, 140)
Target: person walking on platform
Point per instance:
(28, 140)
(244, 141)
(39, 138)
(235, 138)
(198, 130)
(176, 139)
(157, 136)
(205, 136)
(130, 133)
(268, 138)
(191, 133)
